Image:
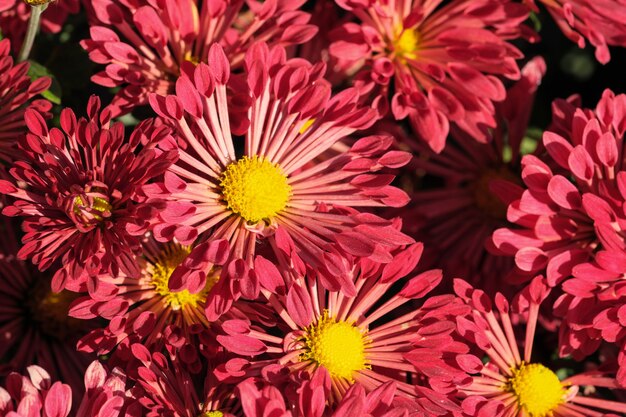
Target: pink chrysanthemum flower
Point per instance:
(340, 340)
(82, 180)
(147, 44)
(457, 218)
(14, 16)
(601, 22)
(573, 204)
(273, 196)
(16, 89)
(593, 308)
(144, 310)
(34, 326)
(171, 391)
(34, 395)
(37, 396)
(440, 62)
(510, 384)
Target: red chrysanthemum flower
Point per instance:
(273, 197)
(16, 89)
(456, 219)
(34, 325)
(440, 62)
(171, 391)
(147, 44)
(14, 16)
(339, 340)
(570, 211)
(510, 384)
(144, 310)
(593, 308)
(36, 395)
(601, 22)
(81, 181)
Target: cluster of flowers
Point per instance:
(243, 252)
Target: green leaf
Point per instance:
(53, 94)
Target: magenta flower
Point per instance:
(82, 181)
(14, 16)
(169, 390)
(34, 395)
(146, 45)
(339, 340)
(273, 196)
(510, 384)
(593, 308)
(457, 218)
(601, 22)
(16, 89)
(438, 65)
(571, 211)
(34, 325)
(144, 310)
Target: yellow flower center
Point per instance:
(170, 258)
(255, 189)
(213, 414)
(338, 346)
(537, 388)
(100, 205)
(406, 43)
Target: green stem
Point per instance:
(31, 32)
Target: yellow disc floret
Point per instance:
(213, 414)
(167, 261)
(537, 388)
(338, 346)
(406, 43)
(255, 189)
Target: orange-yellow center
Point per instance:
(255, 188)
(170, 258)
(338, 346)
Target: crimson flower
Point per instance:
(16, 89)
(601, 22)
(147, 44)
(438, 64)
(510, 383)
(455, 218)
(326, 341)
(573, 204)
(82, 179)
(272, 197)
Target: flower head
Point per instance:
(16, 90)
(169, 390)
(273, 197)
(440, 62)
(572, 206)
(599, 22)
(146, 45)
(510, 383)
(36, 329)
(456, 218)
(144, 310)
(80, 207)
(326, 341)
